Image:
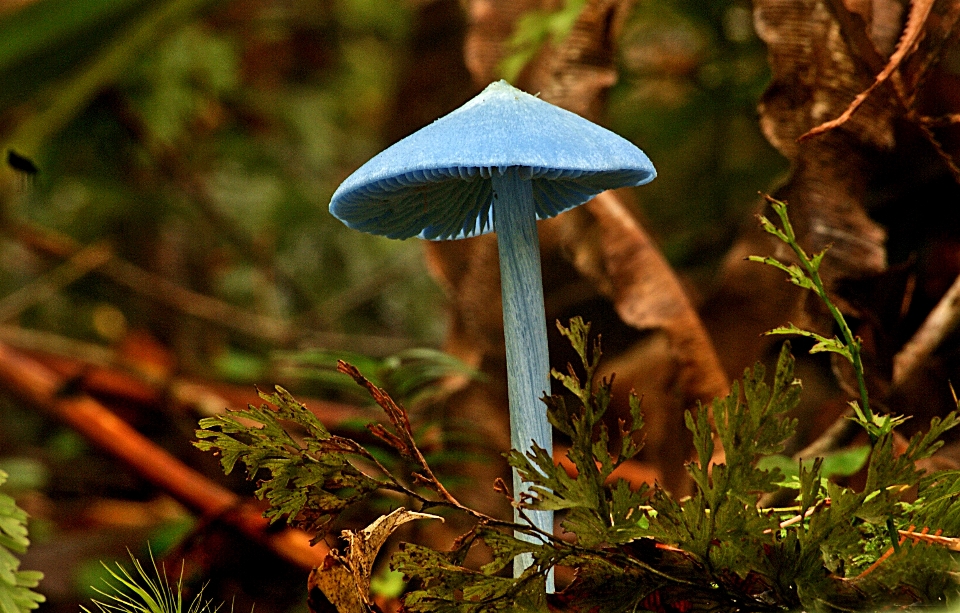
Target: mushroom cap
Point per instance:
(435, 183)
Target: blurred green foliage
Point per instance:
(201, 141)
(210, 158)
(534, 30)
(691, 75)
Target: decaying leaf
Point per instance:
(815, 74)
(833, 105)
(331, 589)
(922, 25)
(344, 580)
(861, 102)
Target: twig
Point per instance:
(197, 305)
(886, 554)
(35, 340)
(854, 32)
(913, 33)
(40, 387)
(159, 288)
(938, 147)
(836, 436)
(106, 373)
(799, 517)
(48, 285)
(164, 291)
(948, 542)
(940, 322)
(941, 121)
(404, 443)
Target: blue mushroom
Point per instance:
(498, 163)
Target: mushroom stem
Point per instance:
(524, 327)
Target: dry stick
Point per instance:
(948, 542)
(104, 371)
(160, 289)
(796, 519)
(164, 291)
(88, 354)
(196, 305)
(942, 121)
(940, 322)
(854, 32)
(48, 285)
(938, 147)
(913, 33)
(39, 386)
(401, 424)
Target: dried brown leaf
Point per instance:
(816, 72)
(912, 33)
(344, 580)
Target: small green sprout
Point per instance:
(146, 592)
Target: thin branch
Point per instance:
(403, 442)
(50, 243)
(913, 33)
(105, 372)
(40, 387)
(853, 28)
(948, 542)
(927, 131)
(940, 322)
(942, 121)
(799, 517)
(197, 305)
(47, 286)
(89, 354)
(159, 288)
(401, 424)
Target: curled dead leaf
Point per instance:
(342, 583)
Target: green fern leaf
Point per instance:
(16, 586)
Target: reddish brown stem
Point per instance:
(39, 386)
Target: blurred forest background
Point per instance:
(165, 243)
